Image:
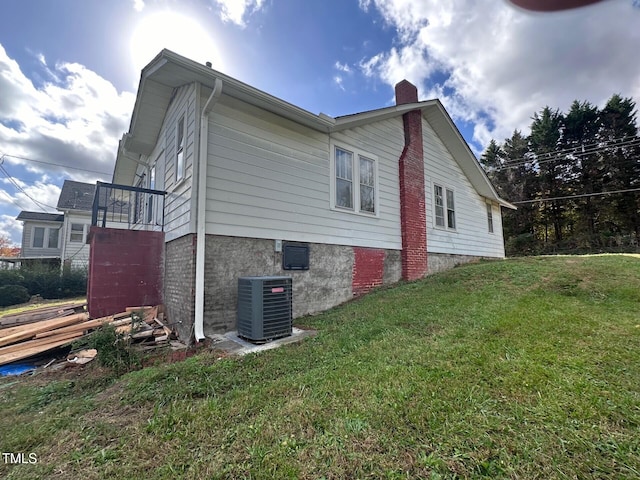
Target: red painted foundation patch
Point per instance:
(368, 269)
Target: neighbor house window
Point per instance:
(54, 235)
(77, 233)
(180, 149)
(355, 181)
(38, 237)
(445, 208)
(490, 217)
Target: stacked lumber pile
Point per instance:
(39, 314)
(33, 338)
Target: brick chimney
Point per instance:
(413, 219)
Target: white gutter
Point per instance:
(201, 208)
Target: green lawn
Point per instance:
(526, 368)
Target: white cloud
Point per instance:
(138, 5)
(73, 120)
(11, 227)
(342, 67)
(495, 65)
(339, 82)
(235, 10)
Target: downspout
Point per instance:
(201, 209)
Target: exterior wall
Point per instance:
(471, 236)
(328, 282)
(368, 269)
(27, 240)
(439, 262)
(125, 270)
(76, 254)
(179, 202)
(179, 284)
(270, 178)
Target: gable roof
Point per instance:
(76, 196)
(169, 70)
(40, 216)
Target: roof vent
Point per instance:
(208, 64)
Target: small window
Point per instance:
(445, 209)
(451, 210)
(38, 237)
(54, 235)
(490, 217)
(77, 233)
(355, 181)
(180, 150)
(367, 185)
(344, 179)
(439, 202)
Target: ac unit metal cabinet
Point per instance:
(264, 308)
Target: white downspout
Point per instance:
(202, 208)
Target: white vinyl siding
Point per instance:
(271, 178)
(469, 211)
(175, 177)
(76, 250)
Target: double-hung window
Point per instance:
(180, 149)
(354, 184)
(445, 207)
(77, 233)
(490, 218)
(38, 237)
(44, 237)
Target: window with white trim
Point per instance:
(45, 237)
(355, 180)
(445, 207)
(54, 236)
(180, 149)
(77, 233)
(38, 237)
(490, 218)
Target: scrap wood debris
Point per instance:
(30, 338)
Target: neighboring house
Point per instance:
(376, 196)
(60, 238)
(76, 202)
(41, 237)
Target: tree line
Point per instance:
(575, 180)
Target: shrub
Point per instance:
(10, 277)
(114, 350)
(13, 295)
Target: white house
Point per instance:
(375, 197)
(60, 237)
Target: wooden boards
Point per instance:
(29, 339)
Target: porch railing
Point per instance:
(123, 206)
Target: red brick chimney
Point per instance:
(412, 202)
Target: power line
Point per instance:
(56, 164)
(598, 194)
(563, 154)
(12, 180)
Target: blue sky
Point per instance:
(69, 69)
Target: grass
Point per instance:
(525, 368)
